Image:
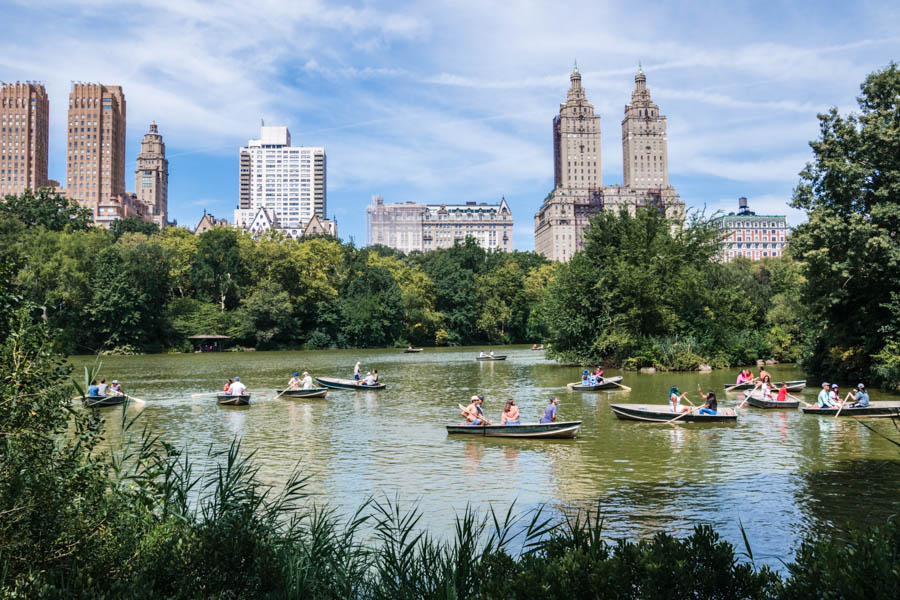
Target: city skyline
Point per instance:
(418, 104)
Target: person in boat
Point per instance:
(510, 413)
(711, 405)
(93, 390)
(482, 354)
(745, 376)
(586, 378)
(598, 372)
(227, 388)
(763, 374)
(782, 393)
(102, 387)
(306, 383)
(375, 375)
(675, 400)
(356, 370)
(860, 397)
(492, 354)
(295, 382)
(834, 395)
(238, 388)
(410, 348)
(550, 411)
(474, 413)
(114, 388)
(370, 379)
(765, 386)
(824, 398)
(534, 346)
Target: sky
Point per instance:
(454, 101)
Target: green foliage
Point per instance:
(48, 209)
(848, 248)
(120, 227)
(218, 268)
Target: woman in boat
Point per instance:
(510, 413)
(860, 398)
(766, 387)
(743, 377)
(675, 400)
(550, 411)
(294, 383)
(599, 373)
(834, 395)
(782, 393)
(375, 375)
(227, 388)
(711, 405)
(586, 378)
(356, 371)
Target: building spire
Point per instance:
(575, 68)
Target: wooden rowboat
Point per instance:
(412, 350)
(310, 393)
(543, 431)
(882, 408)
(756, 399)
(347, 384)
(606, 384)
(792, 386)
(499, 357)
(230, 400)
(101, 401)
(660, 413)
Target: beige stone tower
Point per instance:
(95, 152)
(24, 137)
(644, 154)
(151, 177)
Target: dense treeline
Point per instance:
(136, 288)
(79, 522)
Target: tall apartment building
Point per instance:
(24, 137)
(288, 181)
(750, 235)
(578, 193)
(151, 177)
(411, 226)
(95, 152)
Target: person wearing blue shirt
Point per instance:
(824, 399)
(550, 411)
(93, 389)
(861, 397)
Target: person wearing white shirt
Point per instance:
(238, 388)
(307, 382)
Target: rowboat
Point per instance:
(755, 398)
(660, 413)
(310, 393)
(560, 430)
(347, 384)
(230, 400)
(881, 408)
(101, 401)
(498, 357)
(607, 383)
(792, 386)
(412, 350)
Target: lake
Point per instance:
(780, 473)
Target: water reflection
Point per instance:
(779, 472)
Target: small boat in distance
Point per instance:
(230, 400)
(103, 401)
(792, 386)
(412, 350)
(660, 413)
(544, 431)
(755, 398)
(311, 393)
(879, 408)
(487, 357)
(606, 384)
(347, 384)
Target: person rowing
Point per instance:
(474, 413)
(860, 397)
(675, 400)
(711, 405)
(510, 413)
(295, 383)
(550, 411)
(115, 389)
(765, 387)
(824, 398)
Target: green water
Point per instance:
(779, 472)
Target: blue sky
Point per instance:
(453, 101)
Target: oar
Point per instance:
(841, 407)
(137, 400)
(282, 393)
(624, 387)
(793, 397)
(205, 395)
(572, 385)
(687, 412)
(465, 409)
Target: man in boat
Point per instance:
(763, 374)
(510, 413)
(474, 413)
(824, 398)
(492, 354)
(101, 388)
(550, 411)
(93, 389)
(375, 375)
(238, 388)
(711, 405)
(306, 383)
(481, 354)
(860, 397)
(370, 379)
(115, 389)
(294, 383)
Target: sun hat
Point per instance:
(835, 386)
(296, 373)
(824, 383)
(237, 378)
(305, 372)
(115, 381)
(474, 398)
(860, 386)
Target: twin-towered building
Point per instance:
(578, 190)
(95, 152)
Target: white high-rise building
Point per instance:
(288, 181)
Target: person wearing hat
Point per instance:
(834, 395)
(114, 388)
(238, 388)
(306, 382)
(550, 411)
(675, 400)
(295, 382)
(586, 378)
(824, 398)
(860, 398)
(474, 413)
(370, 379)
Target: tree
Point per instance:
(132, 225)
(218, 267)
(848, 249)
(181, 245)
(46, 208)
(370, 306)
(269, 316)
